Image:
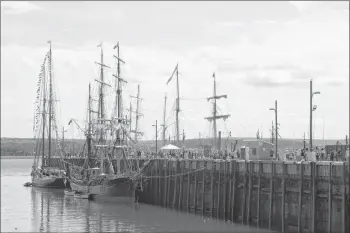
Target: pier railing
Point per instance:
(282, 196)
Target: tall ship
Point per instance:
(106, 171)
(44, 174)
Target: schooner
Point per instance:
(43, 173)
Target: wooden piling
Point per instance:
(151, 186)
(188, 185)
(156, 180)
(212, 189)
(160, 167)
(203, 187)
(165, 182)
(229, 204)
(224, 191)
(283, 199)
(233, 203)
(249, 191)
(301, 179)
(244, 192)
(344, 199)
(175, 182)
(330, 191)
(180, 202)
(314, 174)
(218, 192)
(258, 198)
(271, 195)
(169, 178)
(195, 187)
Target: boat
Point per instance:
(81, 195)
(107, 140)
(43, 173)
(69, 192)
(28, 184)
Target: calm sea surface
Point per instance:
(48, 210)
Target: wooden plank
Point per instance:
(195, 188)
(234, 171)
(301, 180)
(258, 198)
(249, 191)
(271, 194)
(314, 173)
(203, 187)
(218, 192)
(189, 184)
(283, 205)
(330, 192)
(212, 189)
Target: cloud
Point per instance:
(265, 22)
(303, 5)
(230, 24)
(287, 56)
(18, 7)
(272, 81)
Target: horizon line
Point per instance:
(242, 137)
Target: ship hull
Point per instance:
(49, 182)
(116, 189)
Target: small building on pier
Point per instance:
(257, 149)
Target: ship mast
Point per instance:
(101, 112)
(101, 97)
(164, 116)
(130, 116)
(176, 70)
(177, 105)
(119, 94)
(214, 117)
(50, 103)
(44, 116)
(137, 113)
(89, 127)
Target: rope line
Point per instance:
(180, 174)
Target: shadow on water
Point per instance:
(55, 212)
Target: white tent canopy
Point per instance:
(170, 147)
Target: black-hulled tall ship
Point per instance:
(107, 140)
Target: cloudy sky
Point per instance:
(260, 52)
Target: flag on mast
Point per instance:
(214, 75)
(116, 46)
(171, 77)
(99, 45)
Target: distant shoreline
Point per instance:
(16, 157)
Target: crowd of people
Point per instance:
(321, 154)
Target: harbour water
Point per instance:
(27, 209)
